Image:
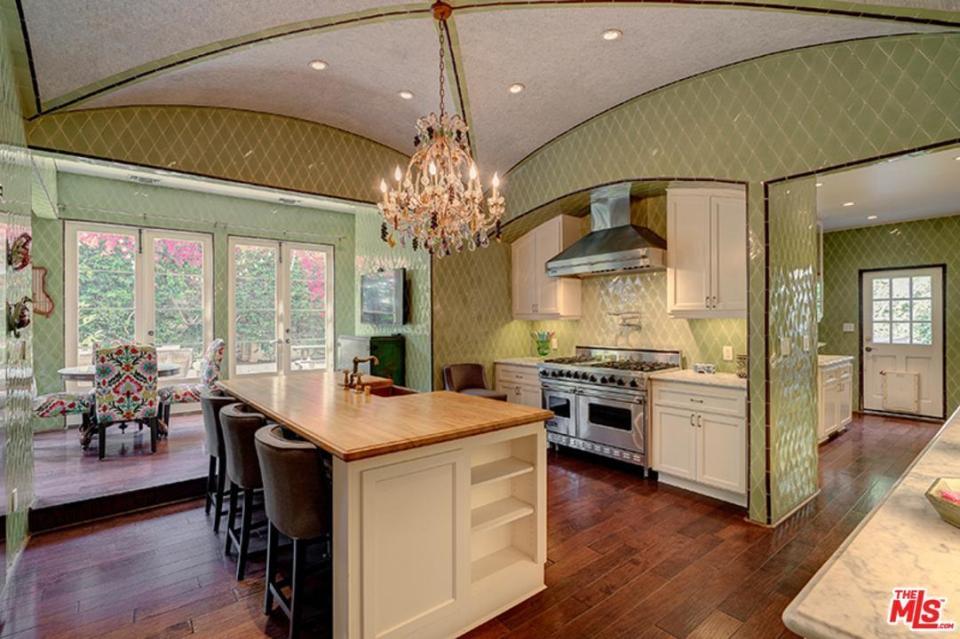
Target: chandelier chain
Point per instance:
(443, 27)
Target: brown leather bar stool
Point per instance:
(469, 379)
(211, 403)
(240, 424)
(297, 497)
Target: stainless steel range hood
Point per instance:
(614, 245)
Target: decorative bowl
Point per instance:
(948, 510)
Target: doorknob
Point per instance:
(869, 349)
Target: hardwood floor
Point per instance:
(626, 558)
(65, 473)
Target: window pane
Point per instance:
(922, 310)
(255, 292)
(308, 302)
(922, 286)
(923, 333)
(901, 333)
(178, 303)
(881, 311)
(881, 333)
(901, 287)
(881, 289)
(106, 278)
(901, 311)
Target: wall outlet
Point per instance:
(806, 343)
(849, 327)
(785, 347)
(554, 343)
(728, 353)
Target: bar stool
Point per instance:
(240, 424)
(212, 402)
(297, 497)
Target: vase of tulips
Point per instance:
(543, 340)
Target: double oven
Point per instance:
(605, 421)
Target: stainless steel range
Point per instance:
(599, 398)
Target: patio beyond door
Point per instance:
(903, 341)
(281, 306)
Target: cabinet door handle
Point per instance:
(714, 302)
(692, 416)
(696, 401)
(700, 421)
(706, 301)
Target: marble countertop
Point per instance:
(903, 543)
(520, 361)
(726, 380)
(827, 360)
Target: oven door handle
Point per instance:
(610, 397)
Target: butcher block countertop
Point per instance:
(355, 426)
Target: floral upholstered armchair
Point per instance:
(125, 389)
(190, 392)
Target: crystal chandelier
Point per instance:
(438, 203)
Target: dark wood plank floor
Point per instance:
(627, 558)
(65, 473)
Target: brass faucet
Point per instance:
(355, 379)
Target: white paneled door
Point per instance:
(281, 306)
(903, 341)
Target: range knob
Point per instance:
(554, 373)
(620, 382)
(575, 375)
(603, 380)
(544, 373)
(633, 383)
(593, 378)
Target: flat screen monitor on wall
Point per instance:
(382, 297)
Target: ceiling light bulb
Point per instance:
(517, 88)
(397, 174)
(383, 186)
(473, 171)
(849, 203)
(318, 65)
(819, 184)
(406, 95)
(957, 158)
(496, 180)
(612, 34)
(432, 168)
(871, 217)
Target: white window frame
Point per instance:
(283, 250)
(144, 271)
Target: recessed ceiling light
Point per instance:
(318, 65)
(612, 34)
(849, 203)
(516, 87)
(871, 217)
(957, 158)
(406, 95)
(819, 184)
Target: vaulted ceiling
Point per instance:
(250, 54)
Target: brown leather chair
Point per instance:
(211, 403)
(297, 497)
(469, 379)
(240, 424)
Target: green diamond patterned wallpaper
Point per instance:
(256, 148)
(915, 243)
(767, 118)
(373, 254)
(16, 454)
(100, 200)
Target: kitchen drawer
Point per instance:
(700, 398)
(517, 374)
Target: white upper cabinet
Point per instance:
(535, 294)
(706, 252)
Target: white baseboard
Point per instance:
(717, 493)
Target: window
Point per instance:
(281, 306)
(144, 285)
(903, 310)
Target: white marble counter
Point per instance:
(726, 380)
(903, 543)
(520, 361)
(829, 360)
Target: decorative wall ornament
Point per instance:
(18, 316)
(43, 304)
(434, 205)
(18, 252)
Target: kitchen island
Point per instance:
(439, 501)
(902, 544)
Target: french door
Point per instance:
(903, 341)
(125, 284)
(281, 306)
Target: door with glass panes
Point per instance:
(281, 306)
(903, 341)
(126, 284)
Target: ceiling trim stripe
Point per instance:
(823, 7)
(701, 74)
(15, 34)
(455, 70)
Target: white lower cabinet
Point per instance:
(520, 383)
(834, 398)
(699, 438)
